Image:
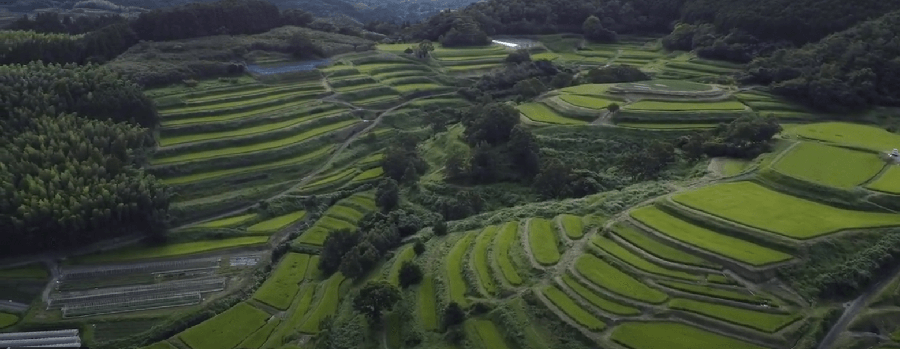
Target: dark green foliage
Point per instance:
(593, 30)
(226, 17)
(359, 260)
(502, 82)
(336, 245)
(464, 32)
(613, 107)
(851, 69)
(98, 46)
(440, 229)
(561, 80)
(736, 46)
(519, 56)
(492, 123)
(648, 161)
(423, 50)
(523, 151)
(399, 157)
(302, 47)
(355, 254)
(419, 247)
(387, 196)
(52, 22)
(530, 88)
(410, 274)
(297, 17)
(374, 298)
(559, 180)
(613, 74)
(453, 315)
(502, 150)
(746, 137)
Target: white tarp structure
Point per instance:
(504, 43)
(61, 338)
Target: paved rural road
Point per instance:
(851, 311)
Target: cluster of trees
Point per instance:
(613, 74)
(746, 137)
(526, 79)
(52, 22)
(71, 146)
(97, 46)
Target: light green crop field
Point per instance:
(506, 238)
(753, 205)
(30, 271)
(573, 310)
(227, 222)
(672, 335)
(542, 113)
(708, 240)
(685, 106)
(180, 249)
(334, 177)
(257, 146)
(651, 126)
(888, 182)
(196, 177)
(608, 277)
(279, 289)
(855, 135)
(198, 137)
(832, 166)
(160, 345)
(261, 91)
(766, 322)
(714, 292)
(480, 259)
(588, 89)
(572, 225)
(498, 57)
(7, 320)
(408, 254)
(326, 306)
(335, 223)
(376, 157)
(457, 68)
(586, 101)
(258, 338)
(225, 105)
(274, 224)
(638, 262)
(294, 315)
(597, 300)
(542, 241)
(453, 268)
(371, 173)
(236, 115)
(345, 212)
(657, 248)
(668, 85)
(426, 305)
(362, 200)
(227, 329)
(417, 87)
(485, 333)
(733, 167)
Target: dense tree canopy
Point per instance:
(202, 19)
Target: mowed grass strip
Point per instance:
(279, 290)
(171, 250)
(426, 304)
(639, 262)
(572, 225)
(485, 334)
(453, 269)
(855, 135)
(228, 221)
(685, 106)
(225, 330)
(326, 306)
(258, 338)
(480, 259)
(600, 302)
(572, 309)
(673, 335)
(196, 177)
(300, 137)
(756, 206)
(832, 166)
(888, 182)
(506, 239)
(657, 248)
(198, 137)
(586, 101)
(709, 291)
(542, 113)
(766, 322)
(274, 224)
(542, 241)
(610, 278)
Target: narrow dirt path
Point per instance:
(852, 309)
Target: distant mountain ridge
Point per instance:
(396, 11)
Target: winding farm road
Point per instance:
(852, 310)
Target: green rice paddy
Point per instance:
(657, 248)
(229, 116)
(406, 255)
(542, 241)
(7, 320)
(668, 85)
(485, 334)
(274, 224)
(479, 259)
(334, 177)
(425, 305)
(505, 240)
(888, 182)
(637, 261)
(766, 322)
(199, 137)
(371, 173)
(225, 330)
(854, 135)
(600, 302)
(171, 250)
(672, 335)
(453, 269)
(228, 221)
(542, 113)
(572, 225)
(279, 289)
(586, 101)
(610, 278)
(31, 271)
(685, 106)
(200, 176)
(573, 310)
(832, 166)
(327, 304)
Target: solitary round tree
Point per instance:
(374, 298)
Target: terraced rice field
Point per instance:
(279, 289)
(277, 223)
(637, 261)
(453, 269)
(679, 126)
(480, 262)
(672, 335)
(713, 292)
(333, 178)
(227, 104)
(766, 322)
(667, 85)
(171, 250)
(658, 249)
(587, 89)
(228, 222)
(302, 117)
(426, 305)
(258, 338)
(888, 182)
(854, 135)
(598, 301)
(606, 276)
(832, 166)
(572, 225)
(573, 310)
(485, 334)
(586, 101)
(238, 114)
(506, 239)
(542, 241)
(753, 205)
(649, 105)
(200, 176)
(542, 113)
(708, 240)
(294, 316)
(326, 306)
(225, 330)
(418, 87)
(247, 149)
(406, 255)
